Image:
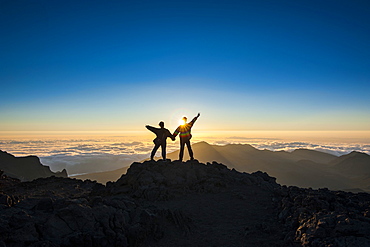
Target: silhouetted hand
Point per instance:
(198, 115)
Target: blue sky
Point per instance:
(245, 65)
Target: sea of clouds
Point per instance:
(87, 155)
(82, 155)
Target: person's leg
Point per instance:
(163, 145)
(190, 150)
(156, 146)
(181, 153)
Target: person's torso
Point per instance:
(162, 134)
(185, 130)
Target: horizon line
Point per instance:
(202, 130)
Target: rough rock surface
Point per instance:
(179, 204)
(325, 218)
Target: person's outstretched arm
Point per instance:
(195, 118)
(151, 128)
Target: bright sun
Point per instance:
(181, 122)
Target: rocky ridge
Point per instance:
(303, 167)
(26, 168)
(179, 204)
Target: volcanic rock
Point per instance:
(176, 203)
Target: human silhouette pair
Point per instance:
(184, 131)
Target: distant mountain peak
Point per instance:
(356, 164)
(354, 155)
(4, 154)
(303, 150)
(26, 168)
(202, 143)
(357, 154)
(228, 144)
(242, 145)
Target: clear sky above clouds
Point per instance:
(245, 65)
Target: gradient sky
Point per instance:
(245, 65)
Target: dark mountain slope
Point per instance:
(304, 168)
(310, 174)
(353, 164)
(103, 177)
(315, 156)
(204, 151)
(296, 168)
(26, 168)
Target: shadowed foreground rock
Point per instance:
(179, 204)
(326, 218)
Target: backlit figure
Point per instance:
(160, 141)
(184, 131)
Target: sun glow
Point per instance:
(182, 122)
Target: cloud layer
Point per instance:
(86, 155)
(83, 155)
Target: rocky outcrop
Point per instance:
(179, 204)
(164, 180)
(61, 212)
(26, 168)
(325, 218)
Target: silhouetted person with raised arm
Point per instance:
(185, 135)
(161, 139)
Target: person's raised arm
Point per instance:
(195, 118)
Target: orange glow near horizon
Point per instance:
(209, 135)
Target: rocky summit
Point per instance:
(168, 203)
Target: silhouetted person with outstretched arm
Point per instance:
(185, 135)
(161, 139)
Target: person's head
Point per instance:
(161, 124)
(184, 119)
